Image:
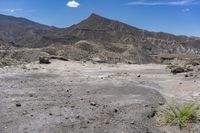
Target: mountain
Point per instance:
(131, 43)
(20, 32)
(95, 37)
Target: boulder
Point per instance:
(44, 60)
(179, 69)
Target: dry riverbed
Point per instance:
(75, 97)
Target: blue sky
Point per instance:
(181, 17)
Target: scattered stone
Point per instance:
(161, 103)
(191, 74)
(139, 76)
(44, 60)
(18, 105)
(25, 113)
(59, 58)
(77, 116)
(179, 69)
(152, 114)
(93, 104)
(106, 122)
(115, 110)
(186, 75)
(50, 114)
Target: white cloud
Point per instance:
(186, 10)
(164, 3)
(73, 4)
(10, 10)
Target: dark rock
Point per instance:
(115, 110)
(18, 105)
(179, 69)
(77, 116)
(106, 122)
(50, 114)
(44, 60)
(152, 114)
(59, 58)
(191, 74)
(93, 104)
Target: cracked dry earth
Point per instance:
(75, 97)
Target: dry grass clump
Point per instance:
(182, 116)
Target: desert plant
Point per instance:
(170, 66)
(182, 116)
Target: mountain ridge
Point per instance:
(95, 36)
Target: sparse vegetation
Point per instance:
(178, 69)
(182, 116)
(170, 66)
(167, 56)
(193, 62)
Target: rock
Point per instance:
(44, 60)
(18, 105)
(77, 116)
(139, 76)
(50, 114)
(132, 123)
(152, 114)
(115, 110)
(59, 58)
(106, 122)
(191, 74)
(179, 69)
(25, 113)
(93, 104)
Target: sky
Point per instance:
(180, 17)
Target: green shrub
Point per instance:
(182, 116)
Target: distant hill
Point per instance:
(95, 37)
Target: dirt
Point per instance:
(75, 97)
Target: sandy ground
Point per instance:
(74, 97)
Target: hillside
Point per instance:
(95, 37)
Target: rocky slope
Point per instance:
(95, 37)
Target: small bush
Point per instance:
(170, 66)
(182, 116)
(194, 63)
